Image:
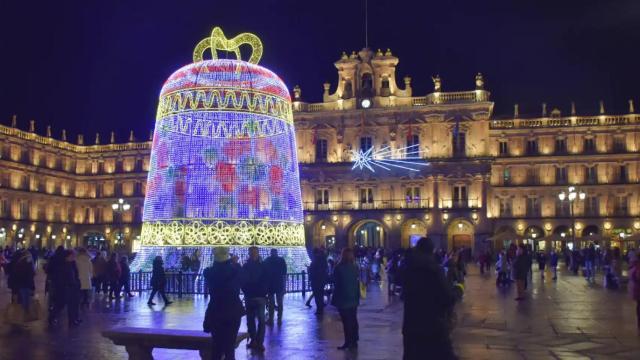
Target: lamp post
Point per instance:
(571, 195)
(119, 207)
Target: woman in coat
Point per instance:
(346, 297)
(158, 281)
(85, 272)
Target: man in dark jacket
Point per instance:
(318, 278)
(66, 286)
(521, 270)
(254, 289)
(428, 305)
(277, 270)
(225, 310)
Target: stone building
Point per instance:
(463, 177)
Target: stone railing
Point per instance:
(566, 121)
(459, 97)
(45, 140)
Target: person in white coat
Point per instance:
(85, 272)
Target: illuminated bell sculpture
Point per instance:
(223, 169)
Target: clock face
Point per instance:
(366, 103)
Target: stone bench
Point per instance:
(140, 342)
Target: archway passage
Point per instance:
(367, 233)
(412, 230)
(324, 234)
(460, 234)
(532, 236)
(95, 241)
(590, 230)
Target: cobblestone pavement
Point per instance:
(567, 319)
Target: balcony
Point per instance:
(460, 203)
(375, 205)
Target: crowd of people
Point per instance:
(429, 281)
(72, 277)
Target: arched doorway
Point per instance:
(95, 241)
(460, 233)
(367, 233)
(411, 231)
(532, 236)
(565, 234)
(324, 234)
(590, 230)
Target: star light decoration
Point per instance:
(383, 159)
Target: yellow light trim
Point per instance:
(221, 233)
(218, 41)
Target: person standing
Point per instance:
(277, 270)
(113, 277)
(521, 269)
(158, 282)
(346, 297)
(254, 289)
(318, 278)
(85, 272)
(125, 276)
(99, 272)
(428, 305)
(21, 278)
(225, 310)
(634, 284)
(553, 263)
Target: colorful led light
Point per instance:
(383, 159)
(223, 168)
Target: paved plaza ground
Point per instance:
(567, 319)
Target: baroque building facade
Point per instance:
(462, 177)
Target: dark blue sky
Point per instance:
(98, 65)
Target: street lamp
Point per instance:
(120, 207)
(571, 195)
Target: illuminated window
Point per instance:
(459, 143)
(322, 199)
(366, 143)
(506, 176)
(561, 175)
(589, 145)
(413, 145)
(591, 174)
(504, 148)
(460, 199)
(532, 147)
(321, 150)
(561, 146)
(412, 196)
(505, 207)
(366, 198)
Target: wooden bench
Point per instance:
(140, 342)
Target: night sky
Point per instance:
(98, 65)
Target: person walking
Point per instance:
(224, 312)
(85, 272)
(66, 287)
(277, 271)
(521, 270)
(553, 264)
(428, 305)
(158, 282)
(589, 262)
(125, 272)
(318, 278)
(113, 277)
(634, 284)
(542, 263)
(254, 289)
(346, 297)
